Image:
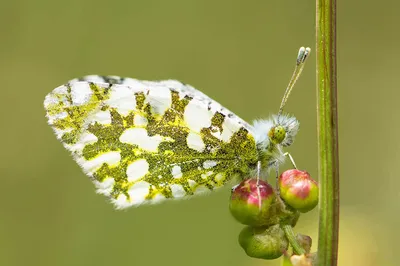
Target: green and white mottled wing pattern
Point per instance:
(143, 142)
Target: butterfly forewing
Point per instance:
(142, 141)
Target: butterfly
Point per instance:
(146, 141)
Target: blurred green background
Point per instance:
(240, 53)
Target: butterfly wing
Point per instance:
(143, 142)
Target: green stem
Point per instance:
(327, 133)
(299, 250)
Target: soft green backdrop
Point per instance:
(241, 53)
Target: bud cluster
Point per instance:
(266, 211)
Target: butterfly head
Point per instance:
(280, 130)
(283, 130)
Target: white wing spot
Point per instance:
(138, 136)
(121, 201)
(57, 116)
(85, 139)
(158, 198)
(197, 117)
(176, 171)
(137, 170)
(110, 158)
(138, 192)
(59, 132)
(52, 98)
(229, 127)
(80, 93)
(122, 98)
(105, 187)
(195, 142)
(177, 191)
(160, 99)
(101, 117)
(61, 90)
(139, 120)
(192, 183)
(94, 78)
(209, 164)
(219, 177)
(209, 173)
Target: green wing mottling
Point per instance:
(233, 158)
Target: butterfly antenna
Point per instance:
(300, 62)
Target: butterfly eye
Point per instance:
(277, 134)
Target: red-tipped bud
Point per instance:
(250, 202)
(263, 243)
(298, 190)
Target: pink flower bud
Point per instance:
(250, 203)
(298, 190)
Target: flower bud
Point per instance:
(250, 202)
(305, 242)
(263, 243)
(298, 190)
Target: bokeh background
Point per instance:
(241, 53)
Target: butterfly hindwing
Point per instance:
(142, 141)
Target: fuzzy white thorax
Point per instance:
(291, 126)
(261, 128)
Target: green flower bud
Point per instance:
(298, 190)
(305, 242)
(250, 202)
(263, 243)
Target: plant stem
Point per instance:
(299, 250)
(327, 133)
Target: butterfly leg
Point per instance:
(277, 169)
(258, 172)
(277, 177)
(291, 159)
(258, 185)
